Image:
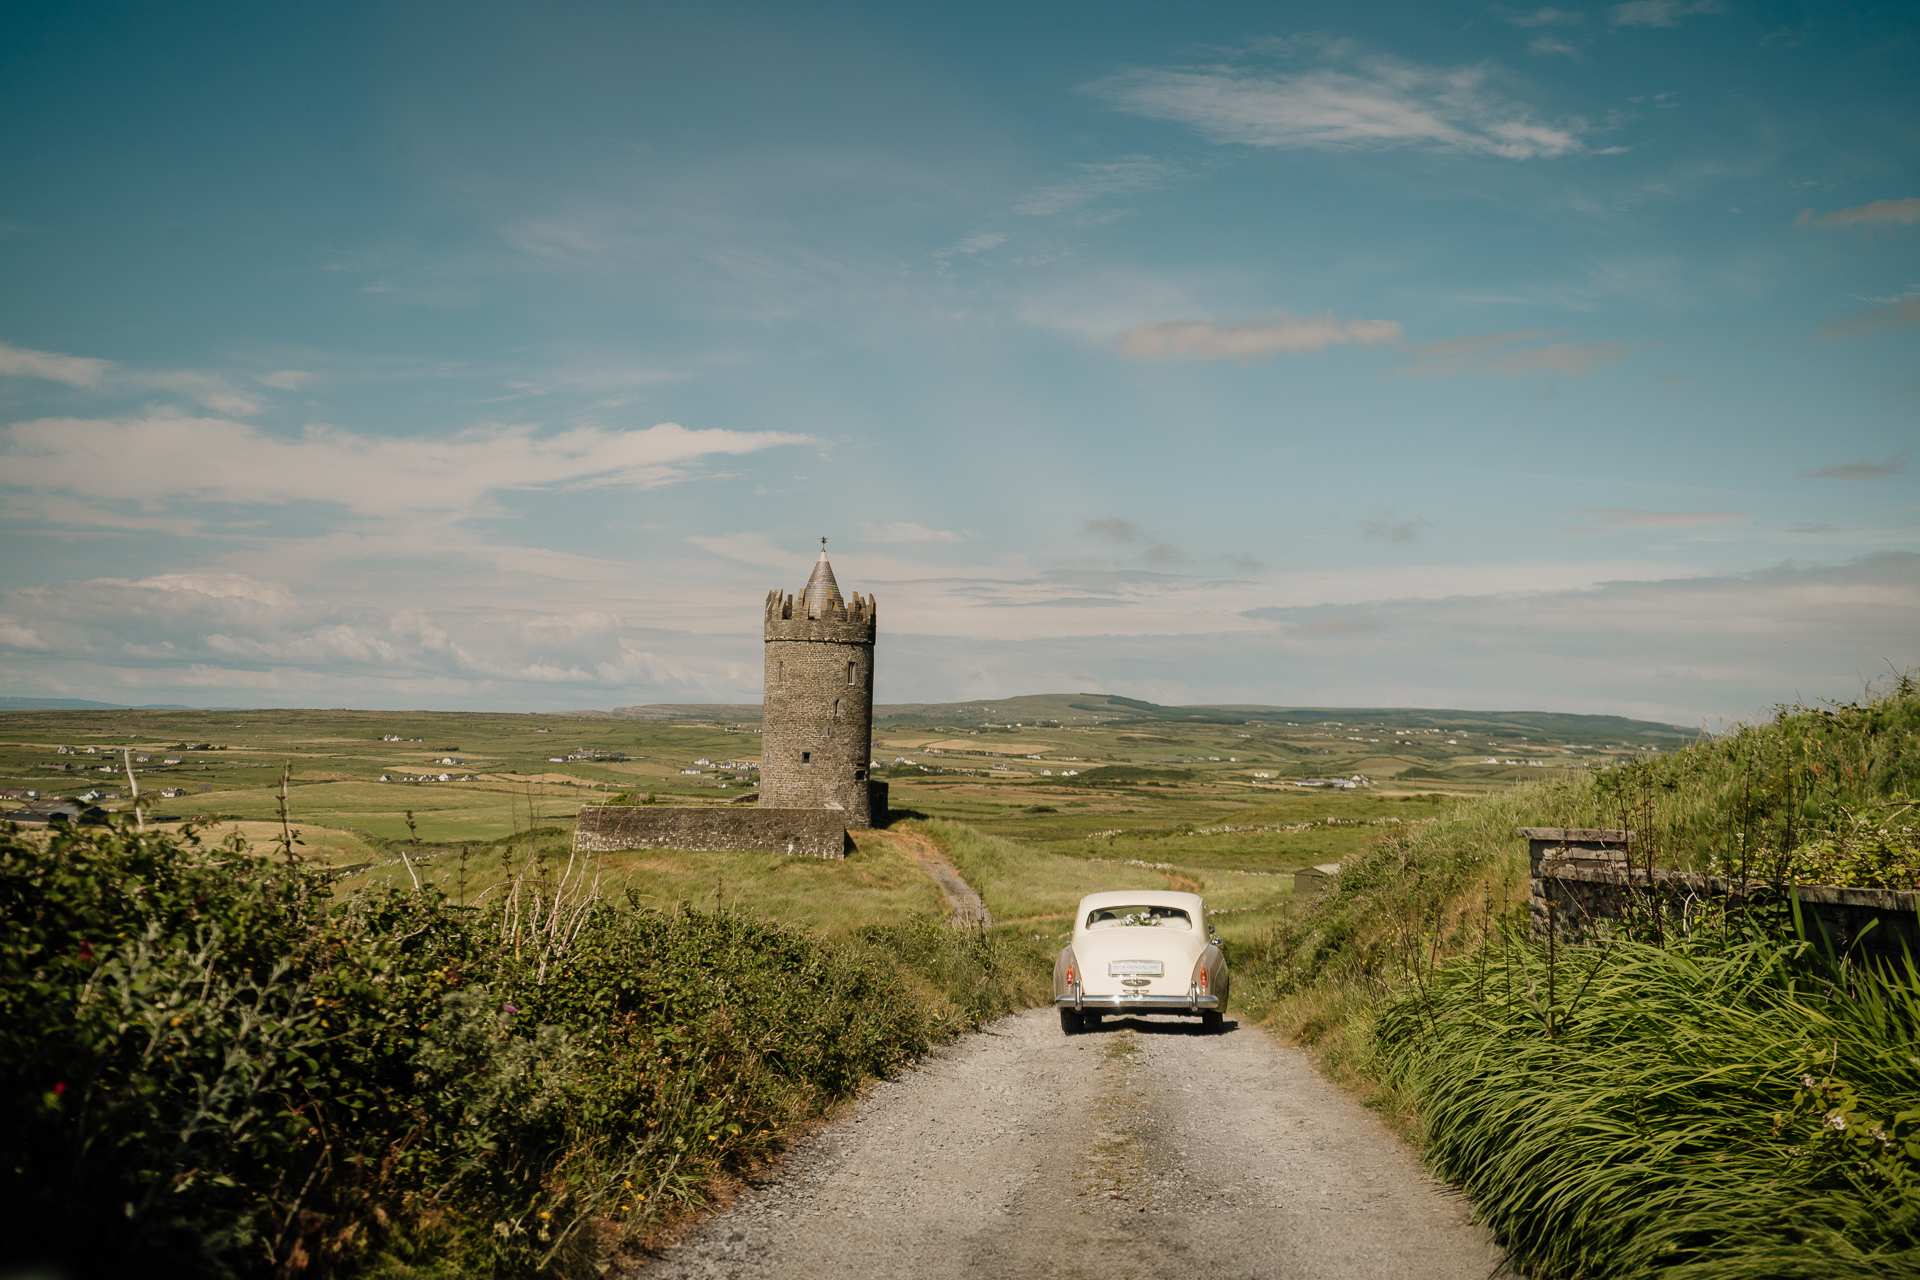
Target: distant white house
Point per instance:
(172, 793)
(694, 772)
(556, 759)
(386, 777)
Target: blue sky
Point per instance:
(470, 356)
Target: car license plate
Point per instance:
(1152, 968)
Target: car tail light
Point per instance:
(1200, 976)
(1069, 975)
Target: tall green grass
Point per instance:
(1730, 1105)
(1729, 1109)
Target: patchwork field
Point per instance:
(1228, 801)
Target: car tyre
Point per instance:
(1212, 1022)
(1070, 1022)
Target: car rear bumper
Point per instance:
(1190, 1003)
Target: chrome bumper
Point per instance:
(1190, 1003)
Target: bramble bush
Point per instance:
(211, 1067)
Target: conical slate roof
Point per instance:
(822, 593)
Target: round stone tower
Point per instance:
(817, 715)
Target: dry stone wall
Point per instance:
(812, 833)
(1585, 886)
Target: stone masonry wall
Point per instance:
(1583, 886)
(816, 723)
(813, 833)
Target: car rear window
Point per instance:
(1125, 916)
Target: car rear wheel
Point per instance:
(1070, 1023)
(1212, 1020)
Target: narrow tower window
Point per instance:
(836, 708)
(806, 757)
(849, 674)
(781, 675)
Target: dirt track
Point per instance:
(1145, 1149)
(964, 907)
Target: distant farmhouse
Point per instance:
(816, 742)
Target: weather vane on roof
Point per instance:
(823, 545)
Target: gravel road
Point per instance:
(1144, 1149)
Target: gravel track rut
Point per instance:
(1143, 1150)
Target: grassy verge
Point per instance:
(209, 1065)
(1728, 1108)
(1695, 1109)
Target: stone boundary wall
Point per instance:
(810, 833)
(1582, 882)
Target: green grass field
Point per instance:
(1127, 794)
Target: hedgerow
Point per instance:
(211, 1067)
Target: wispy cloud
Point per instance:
(1255, 340)
(1353, 103)
(907, 531)
(158, 457)
(1660, 13)
(285, 379)
(1548, 17)
(89, 374)
(1114, 529)
(1898, 316)
(1496, 354)
(75, 371)
(970, 245)
(1089, 182)
(1391, 528)
(1902, 213)
(1894, 466)
(1548, 45)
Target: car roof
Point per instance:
(1140, 898)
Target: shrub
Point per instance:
(208, 1067)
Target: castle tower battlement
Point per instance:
(816, 737)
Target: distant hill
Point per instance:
(1110, 709)
(81, 704)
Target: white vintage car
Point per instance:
(1139, 951)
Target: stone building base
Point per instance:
(809, 833)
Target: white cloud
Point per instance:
(155, 457)
(1484, 353)
(75, 371)
(1903, 213)
(1090, 182)
(907, 531)
(1255, 339)
(89, 374)
(1372, 103)
(1660, 13)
